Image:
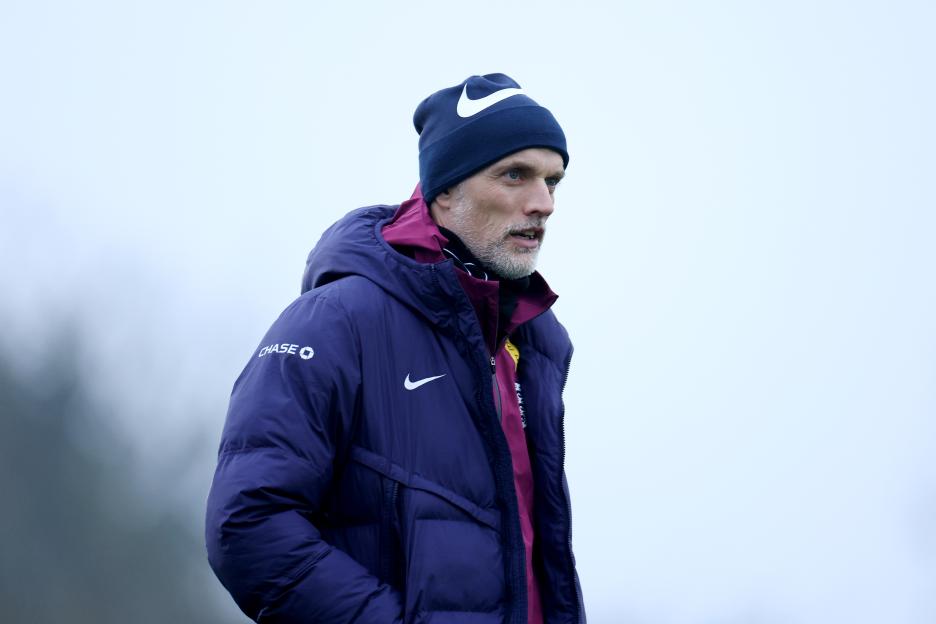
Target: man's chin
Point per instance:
(519, 267)
(509, 262)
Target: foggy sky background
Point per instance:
(743, 249)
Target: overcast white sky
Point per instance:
(743, 248)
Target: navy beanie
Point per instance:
(465, 128)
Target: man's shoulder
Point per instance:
(352, 298)
(337, 309)
(349, 294)
(548, 336)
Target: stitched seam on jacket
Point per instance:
(240, 450)
(277, 450)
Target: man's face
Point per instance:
(500, 212)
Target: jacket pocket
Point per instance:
(390, 567)
(450, 553)
(394, 472)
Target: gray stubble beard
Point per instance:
(493, 254)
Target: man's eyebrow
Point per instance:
(526, 167)
(513, 164)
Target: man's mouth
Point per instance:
(529, 234)
(529, 237)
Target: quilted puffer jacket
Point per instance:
(348, 491)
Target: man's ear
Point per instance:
(444, 199)
(440, 207)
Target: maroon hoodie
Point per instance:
(413, 232)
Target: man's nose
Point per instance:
(540, 201)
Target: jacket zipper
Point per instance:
(519, 612)
(578, 595)
(498, 404)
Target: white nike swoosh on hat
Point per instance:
(467, 107)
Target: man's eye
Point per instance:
(513, 174)
(553, 182)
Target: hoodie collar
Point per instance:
(413, 233)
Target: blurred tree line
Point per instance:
(81, 540)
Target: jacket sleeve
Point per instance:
(290, 414)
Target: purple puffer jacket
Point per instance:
(348, 491)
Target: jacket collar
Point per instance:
(500, 305)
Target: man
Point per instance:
(394, 449)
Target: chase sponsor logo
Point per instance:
(285, 348)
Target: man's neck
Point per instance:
(463, 258)
(469, 263)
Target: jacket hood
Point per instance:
(354, 246)
(368, 242)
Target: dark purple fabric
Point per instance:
(413, 232)
(342, 496)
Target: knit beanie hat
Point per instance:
(465, 128)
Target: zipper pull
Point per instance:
(493, 366)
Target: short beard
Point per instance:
(494, 252)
